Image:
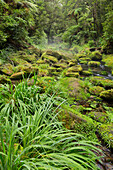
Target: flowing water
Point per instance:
(107, 161)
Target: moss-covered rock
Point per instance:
(34, 50)
(94, 63)
(80, 55)
(43, 72)
(60, 65)
(96, 56)
(72, 74)
(107, 95)
(106, 132)
(96, 90)
(4, 79)
(99, 116)
(54, 53)
(108, 59)
(52, 69)
(72, 62)
(49, 58)
(100, 81)
(40, 61)
(87, 73)
(17, 76)
(6, 69)
(76, 68)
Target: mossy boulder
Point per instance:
(6, 69)
(99, 116)
(16, 60)
(43, 72)
(49, 58)
(72, 74)
(80, 55)
(87, 73)
(60, 65)
(52, 69)
(72, 62)
(96, 56)
(29, 58)
(4, 79)
(106, 132)
(94, 63)
(96, 90)
(107, 95)
(76, 68)
(100, 81)
(34, 50)
(57, 55)
(40, 61)
(108, 59)
(17, 76)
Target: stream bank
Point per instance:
(87, 110)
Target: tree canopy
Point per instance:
(73, 21)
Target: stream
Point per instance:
(107, 160)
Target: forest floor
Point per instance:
(83, 80)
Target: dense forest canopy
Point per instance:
(72, 21)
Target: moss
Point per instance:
(108, 59)
(49, 58)
(80, 55)
(76, 68)
(60, 65)
(43, 66)
(40, 61)
(7, 69)
(99, 116)
(105, 73)
(102, 82)
(43, 72)
(107, 94)
(57, 55)
(96, 90)
(29, 58)
(96, 56)
(72, 74)
(94, 63)
(4, 79)
(106, 132)
(87, 73)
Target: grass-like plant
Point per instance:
(31, 137)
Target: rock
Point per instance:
(100, 81)
(76, 68)
(54, 53)
(29, 58)
(99, 116)
(96, 56)
(60, 65)
(72, 62)
(49, 58)
(4, 79)
(96, 90)
(106, 132)
(34, 50)
(94, 63)
(84, 60)
(107, 95)
(72, 74)
(87, 73)
(6, 69)
(17, 76)
(40, 61)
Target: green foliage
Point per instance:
(31, 136)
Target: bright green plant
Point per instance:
(31, 136)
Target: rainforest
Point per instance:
(56, 84)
